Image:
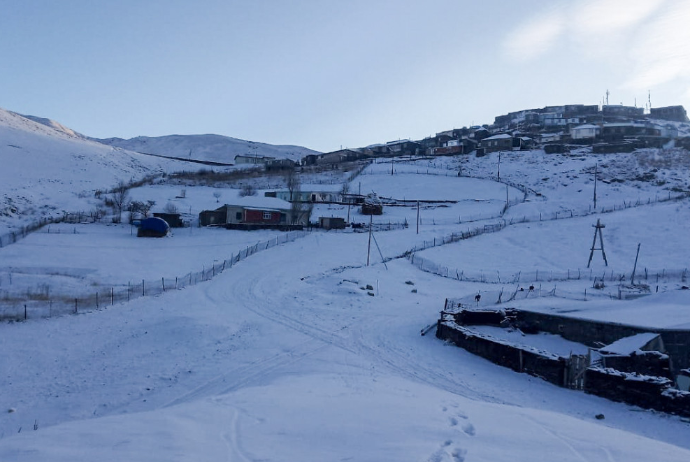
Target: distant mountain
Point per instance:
(47, 168)
(54, 125)
(214, 148)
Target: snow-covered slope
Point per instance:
(287, 355)
(54, 125)
(48, 168)
(214, 148)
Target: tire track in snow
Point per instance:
(248, 291)
(249, 373)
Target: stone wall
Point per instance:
(598, 333)
(645, 362)
(548, 367)
(639, 390)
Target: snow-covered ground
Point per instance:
(303, 352)
(46, 171)
(214, 148)
(565, 244)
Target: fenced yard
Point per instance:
(55, 297)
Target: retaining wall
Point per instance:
(639, 390)
(599, 333)
(551, 368)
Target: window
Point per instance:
(238, 216)
(267, 215)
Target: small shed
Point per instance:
(213, 217)
(582, 132)
(372, 205)
(173, 219)
(331, 223)
(153, 227)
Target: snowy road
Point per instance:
(285, 357)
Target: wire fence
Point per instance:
(41, 305)
(644, 275)
(495, 277)
(77, 217)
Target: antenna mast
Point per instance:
(598, 227)
(649, 99)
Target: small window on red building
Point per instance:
(267, 215)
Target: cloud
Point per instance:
(595, 27)
(607, 17)
(534, 38)
(660, 50)
(648, 40)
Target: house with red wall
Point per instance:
(252, 212)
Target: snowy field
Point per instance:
(565, 244)
(71, 258)
(204, 374)
(302, 352)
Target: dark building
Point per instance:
(630, 112)
(331, 223)
(173, 219)
(674, 113)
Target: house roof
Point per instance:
(502, 136)
(584, 127)
(260, 203)
(249, 156)
(629, 345)
(625, 124)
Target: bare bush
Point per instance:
(120, 196)
(247, 189)
(170, 208)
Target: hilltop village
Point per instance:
(556, 129)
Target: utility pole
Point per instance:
(596, 168)
(499, 166)
(507, 200)
(598, 227)
(417, 217)
(632, 277)
(371, 220)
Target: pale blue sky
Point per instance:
(327, 73)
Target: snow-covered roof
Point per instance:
(584, 127)
(258, 202)
(502, 136)
(392, 143)
(625, 124)
(629, 345)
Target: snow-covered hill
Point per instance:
(48, 168)
(54, 125)
(303, 351)
(214, 148)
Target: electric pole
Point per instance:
(597, 230)
(596, 168)
(632, 277)
(371, 219)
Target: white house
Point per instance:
(585, 132)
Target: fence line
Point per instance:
(531, 276)
(534, 276)
(19, 308)
(75, 217)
